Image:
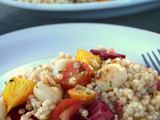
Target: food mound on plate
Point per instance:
(61, 1)
(96, 85)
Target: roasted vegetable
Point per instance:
(17, 91)
(89, 58)
(82, 93)
(66, 109)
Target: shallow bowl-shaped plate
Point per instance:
(41, 44)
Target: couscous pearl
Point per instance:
(93, 83)
(104, 95)
(111, 94)
(21, 111)
(115, 90)
(130, 110)
(60, 76)
(80, 110)
(130, 96)
(150, 117)
(33, 100)
(61, 55)
(29, 107)
(100, 47)
(115, 117)
(157, 107)
(29, 114)
(84, 113)
(130, 118)
(153, 102)
(95, 63)
(8, 118)
(89, 86)
(76, 65)
(140, 107)
(42, 116)
(97, 89)
(31, 97)
(113, 99)
(138, 94)
(52, 107)
(37, 114)
(72, 80)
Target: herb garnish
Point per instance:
(110, 83)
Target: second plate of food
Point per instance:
(82, 9)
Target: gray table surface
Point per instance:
(12, 19)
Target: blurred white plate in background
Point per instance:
(93, 10)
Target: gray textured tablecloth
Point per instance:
(12, 19)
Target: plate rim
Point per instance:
(77, 6)
(75, 23)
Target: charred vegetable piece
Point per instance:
(82, 93)
(87, 57)
(98, 110)
(105, 56)
(66, 109)
(17, 91)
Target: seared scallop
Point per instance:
(111, 76)
(44, 92)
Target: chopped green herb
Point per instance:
(100, 73)
(110, 83)
(68, 83)
(5, 82)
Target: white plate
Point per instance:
(93, 10)
(45, 42)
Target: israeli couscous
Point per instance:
(96, 85)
